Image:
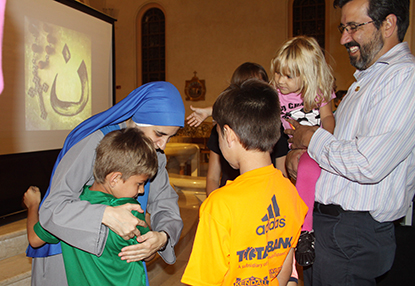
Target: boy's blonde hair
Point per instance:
(302, 56)
(127, 151)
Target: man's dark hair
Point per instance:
(252, 110)
(380, 9)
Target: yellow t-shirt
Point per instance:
(246, 230)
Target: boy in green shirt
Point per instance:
(125, 160)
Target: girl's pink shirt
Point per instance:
(293, 102)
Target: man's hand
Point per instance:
(301, 134)
(150, 243)
(291, 162)
(122, 221)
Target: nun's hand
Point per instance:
(149, 244)
(122, 221)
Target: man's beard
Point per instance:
(367, 51)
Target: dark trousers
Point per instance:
(351, 248)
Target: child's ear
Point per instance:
(113, 178)
(229, 134)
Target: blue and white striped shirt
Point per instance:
(369, 162)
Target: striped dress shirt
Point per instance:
(368, 164)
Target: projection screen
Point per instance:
(58, 66)
(58, 71)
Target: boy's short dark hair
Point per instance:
(252, 110)
(127, 151)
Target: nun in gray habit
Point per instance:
(157, 106)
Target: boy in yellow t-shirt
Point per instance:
(249, 227)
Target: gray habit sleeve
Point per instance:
(164, 209)
(76, 222)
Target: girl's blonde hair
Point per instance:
(302, 56)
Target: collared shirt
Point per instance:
(369, 162)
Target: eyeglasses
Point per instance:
(351, 28)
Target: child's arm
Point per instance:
(32, 200)
(280, 165)
(148, 221)
(213, 173)
(199, 115)
(327, 118)
(286, 269)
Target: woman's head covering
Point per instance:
(154, 103)
(163, 107)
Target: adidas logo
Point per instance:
(271, 218)
(273, 210)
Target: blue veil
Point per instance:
(154, 103)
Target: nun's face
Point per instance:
(159, 134)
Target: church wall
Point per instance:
(213, 38)
(209, 37)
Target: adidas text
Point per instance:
(275, 223)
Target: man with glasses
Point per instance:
(368, 164)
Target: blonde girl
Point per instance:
(305, 84)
